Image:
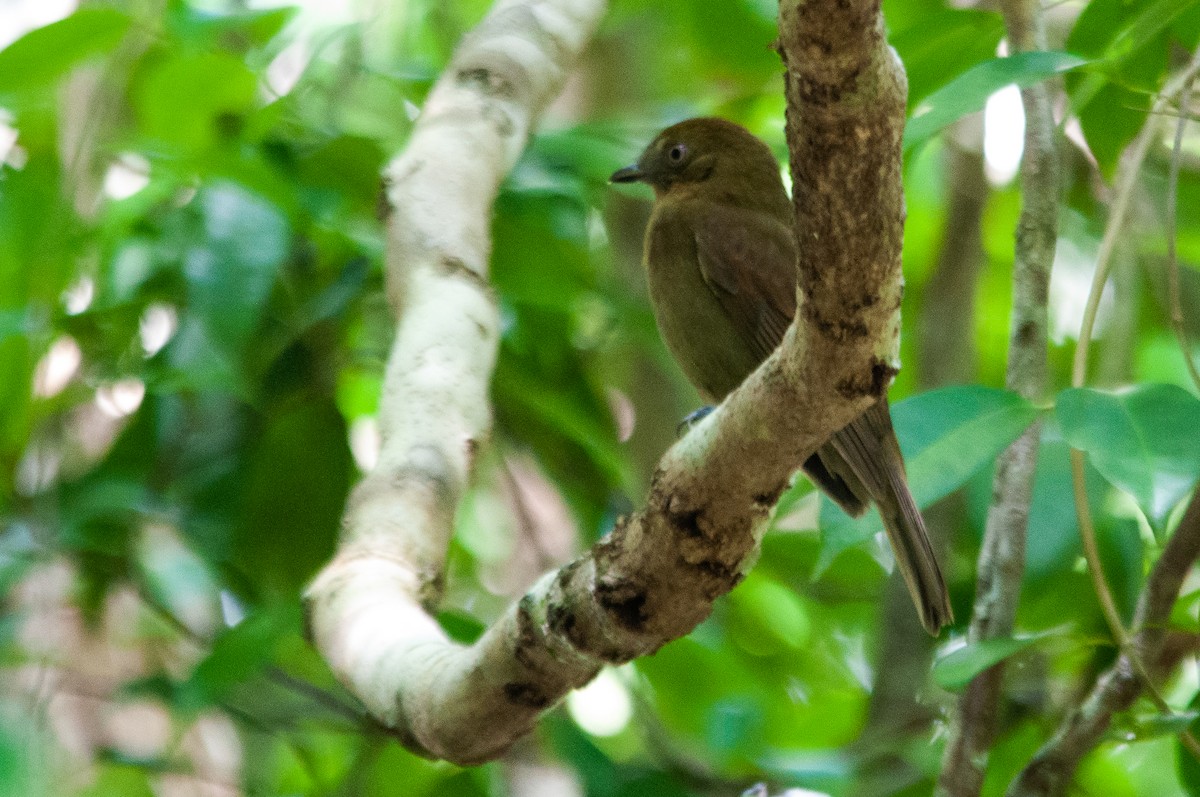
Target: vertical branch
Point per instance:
(1002, 558)
(846, 92)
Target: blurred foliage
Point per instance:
(192, 336)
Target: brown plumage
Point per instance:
(720, 259)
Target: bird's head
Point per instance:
(709, 154)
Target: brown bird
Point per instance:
(720, 257)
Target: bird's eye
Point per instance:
(677, 152)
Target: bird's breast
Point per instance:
(695, 327)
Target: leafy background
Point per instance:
(192, 334)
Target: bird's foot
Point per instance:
(692, 419)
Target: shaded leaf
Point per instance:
(231, 269)
(955, 670)
(238, 654)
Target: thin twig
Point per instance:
(1126, 180)
(1173, 291)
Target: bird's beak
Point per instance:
(630, 174)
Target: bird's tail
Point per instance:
(869, 446)
(915, 558)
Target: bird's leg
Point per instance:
(692, 419)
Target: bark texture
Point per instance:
(656, 575)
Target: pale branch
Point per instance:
(1052, 769)
(656, 575)
(1002, 555)
(368, 607)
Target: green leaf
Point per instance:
(766, 617)
(955, 670)
(116, 778)
(1145, 27)
(243, 240)
(193, 100)
(943, 44)
(946, 436)
(239, 654)
(1142, 440)
(969, 91)
(44, 55)
(1187, 765)
(295, 486)
(233, 31)
(1110, 120)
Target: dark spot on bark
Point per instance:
(716, 569)
(561, 621)
(839, 330)
(500, 118)
(485, 80)
(882, 375)
(526, 635)
(528, 695)
(383, 206)
(821, 94)
(1041, 287)
(566, 574)
(625, 601)
(1027, 333)
(433, 584)
(687, 522)
(866, 300)
(875, 384)
(849, 388)
(769, 498)
(426, 466)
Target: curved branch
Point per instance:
(656, 575)
(368, 607)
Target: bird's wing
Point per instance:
(748, 261)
